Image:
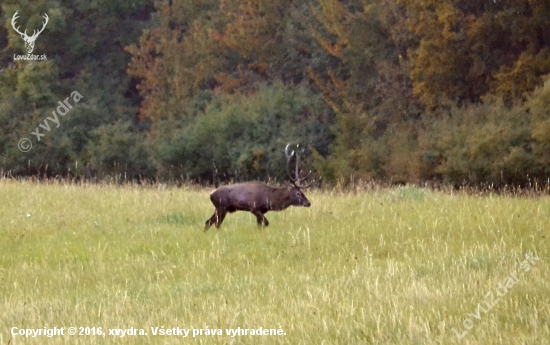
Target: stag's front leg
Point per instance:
(261, 219)
(217, 218)
(210, 221)
(220, 217)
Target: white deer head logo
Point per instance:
(29, 40)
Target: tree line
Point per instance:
(449, 91)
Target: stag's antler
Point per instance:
(296, 180)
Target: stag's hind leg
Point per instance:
(217, 218)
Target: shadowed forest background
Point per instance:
(445, 91)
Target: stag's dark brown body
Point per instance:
(259, 198)
(255, 197)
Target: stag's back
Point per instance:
(243, 196)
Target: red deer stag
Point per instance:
(259, 198)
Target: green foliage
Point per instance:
(118, 149)
(243, 136)
(38, 84)
(393, 90)
(490, 143)
(90, 61)
(538, 107)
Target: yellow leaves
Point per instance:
(337, 82)
(333, 49)
(336, 21)
(171, 61)
(431, 18)
(216, 35)
(437, 62)
(542, 132)
(228, 83)
(431, 72)
(333, 16)
(252, 27)
(449, 18)
(523, 76)
(538, 105)
(468, 51)
(327, 95)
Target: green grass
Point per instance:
(389, 266)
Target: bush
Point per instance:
(487, 143)
(242, 137)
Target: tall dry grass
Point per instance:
(385, 266)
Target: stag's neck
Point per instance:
(280, 199)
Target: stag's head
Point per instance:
(298, 198)
(29, 40)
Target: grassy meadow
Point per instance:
(381, 266)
